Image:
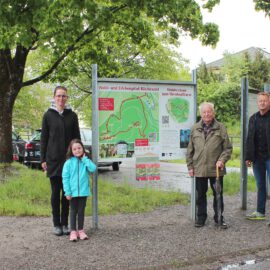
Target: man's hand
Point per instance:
(191, 172)
(248, 163)
(44, 166)
(68, 198)
(220, 164)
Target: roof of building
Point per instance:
(252, 51)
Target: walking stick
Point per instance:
(218, 196)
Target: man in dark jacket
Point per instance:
(258, 151)
(59, 126)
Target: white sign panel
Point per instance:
(145, 114)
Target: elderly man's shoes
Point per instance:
(199, 223)
(57, 230)
(65, 230)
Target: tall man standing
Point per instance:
(209, 147)
(258, 151)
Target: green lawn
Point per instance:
(26, 192)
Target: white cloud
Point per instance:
(240, 27)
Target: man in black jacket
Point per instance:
(59, 126)
(258, 151)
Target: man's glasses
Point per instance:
(61, 96)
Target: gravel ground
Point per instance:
(162, 239)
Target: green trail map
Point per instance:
(178, 109)
(135, 116)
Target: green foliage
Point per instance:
(233, 127)
(205, 75)
(63, 33)
(26, 192)
(236, 153)
(225, 96)
(235, 158)
(30, 106)
(234, 68)
(61, 27)
(259, 71)
(223, 87)
(262, 5)
(160, 63)
(210, 4)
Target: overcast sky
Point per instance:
(240, 27)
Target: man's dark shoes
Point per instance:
(57, 230)
(221, 225)
(65, 230)
(199, 223)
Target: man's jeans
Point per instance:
(260, 167)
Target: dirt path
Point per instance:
(162, 239)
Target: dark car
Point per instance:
(18, 147)
(32, 150)
(86, 137)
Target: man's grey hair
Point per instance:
(209, 104)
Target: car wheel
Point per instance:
(115, 166)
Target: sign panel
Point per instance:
(252, 104)
(157, 114)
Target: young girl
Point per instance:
(77, 186)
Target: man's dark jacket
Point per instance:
(250, 142)
(57, 132)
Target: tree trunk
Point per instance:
(6, 149)
(11, 74)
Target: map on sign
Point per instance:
(132, 116)
(139, 118)
(178, 109)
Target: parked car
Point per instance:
(86, 137)
(32, 150)
(18, 147)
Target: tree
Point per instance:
(160, 63)
(206, 75)
(226, 83)
(30, 106)
(60, 28)
(262, 5)
(225, 96)
(258, 71)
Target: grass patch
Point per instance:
(7, 170)
(232, 183)
(123, 198)
(26, 192)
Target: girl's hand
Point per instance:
(68, 198)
